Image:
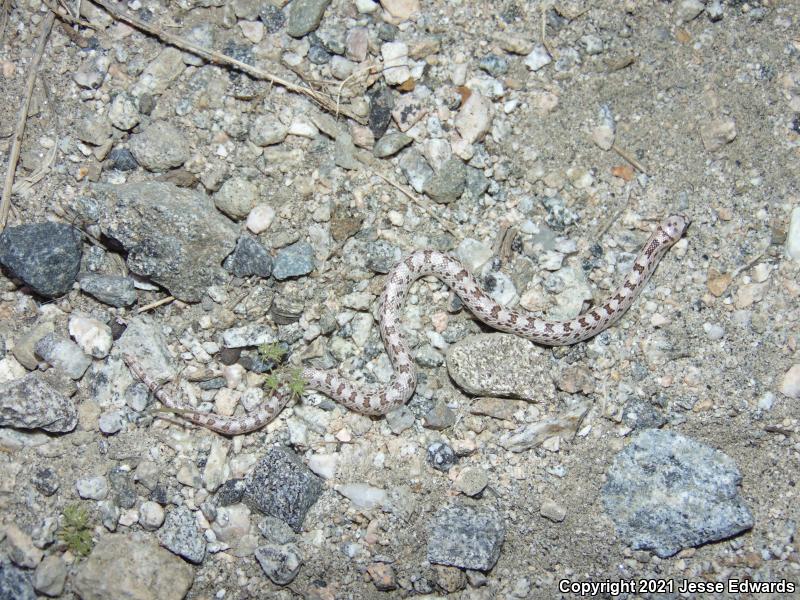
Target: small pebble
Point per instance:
(151, 515)
(441, 456)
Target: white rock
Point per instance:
(232, 523)
(538, 58)
(366, 7)
(401, 9)
(233, 374)
(92, 488)
(225, 401)
(790, 386)
(793, 235)
(123, 113)
(766, 401)
(475, 118)
(713, 331)
(93, 337)
(363, 495)
(551, 510)
(216, 470)
(473, 254)
(303, 127)
(324, 465)
(260, 218)
(395, 62)
(151, 515)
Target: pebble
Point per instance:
(381, 104)
(793, 235)
(20, 548)
(282, 486)
(516, 44)
(180, 535)
(790, 384)
(714, 331)
(253, 334)
(357, 44)
(272, 17)
(159, 147)
(141, 569)
(553, 511)
(236, 198)
(415, 169)
(92, 488)
(400, 419)
(390, 144)
(260, 218)
(123, 113)
(366, 7)
(232, 523)
(395, 62)
(293, 261)
(538, 58)
(267, 130)
(111, 422)
(303, 127)
(49, 577)
(15, 584)
(688, 10)
(45, 480)
(714, 10)
(324, 465)
(383, 576)
(493, 64)
(661, 473)
(63, 354)
(468, 537)
(280, 563)
(122, 159)
(473, 254)
(401, 9)
(439, 417)
(91, 73)
(45, 256)
(441, 456)
(93, 337)
(93, 130)
(593, 44)
(318, 55)
(151, 515)
(717, 133)
(363, 496)
(471, 481)
(450, 579)
(109, 289)
(31, 403)
(305, 16)
(249, 259)
(474, 118)
(447, 184)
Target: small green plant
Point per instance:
(272, 382)
(76, 532)
(296, 384)
(274, 352)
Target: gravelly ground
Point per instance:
(707, 109)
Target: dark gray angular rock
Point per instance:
(468, 537)
(390, 144)
(666, 492)
(15, 584)
(230, 492)
(441, 456)
(122, 159)
(249, 258)
(175, 236)
(282, 486)
(382, 256)
(45, 256)
(30, 403)
(305, 16)
(448, 183)
(109, 289)
(272, 17)
(293, 261)
(160, 146)
(381, 103)
(180, 535)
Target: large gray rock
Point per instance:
(30, 403)
(15, 584)
(499, 364)
(666, 492)
(121, 568)
(280, 485)
(45, 256)
(181, 536)
(173, 235)
(305, 16)
(465, 536)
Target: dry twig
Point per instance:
(630, 158)
(221, 59)
(5, 202)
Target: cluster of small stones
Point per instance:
(263, 216)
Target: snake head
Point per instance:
(675, 226)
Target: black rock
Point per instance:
(441, 456)
(230, 492)
(249, 258)
(46, 256)
(381, 103)
(121, 159)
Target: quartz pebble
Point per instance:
(790, 384)
(474, 118)
(793, 235)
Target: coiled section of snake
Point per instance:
(378, 400)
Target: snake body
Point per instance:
(379, 400)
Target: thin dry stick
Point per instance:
(6, 8)
(155, 304)
(5, 202)
(221, 59)
(630, 158)
(448, 225)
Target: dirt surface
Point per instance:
(705, 116)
